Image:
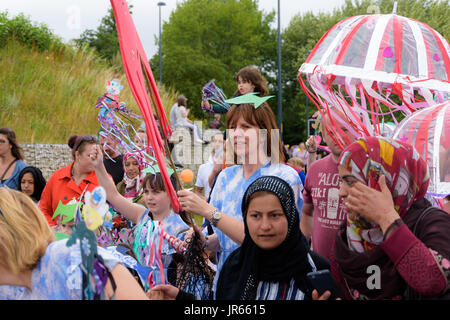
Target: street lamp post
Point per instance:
(306, 101)
(160, 4)
(280, 115)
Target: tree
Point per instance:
(104, 39)
(214, 39)
(27, 32)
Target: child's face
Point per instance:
(66, 228)
(245, 86)
(131, 167)
(140, 140)
(156, 201)
(27, 184)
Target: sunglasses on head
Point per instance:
(85, 138)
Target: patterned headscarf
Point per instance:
(407, 178)
(133, 187)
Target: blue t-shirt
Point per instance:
(302, 177)
(173, 225)
(228, 193)
(57, 275)
(13, 181)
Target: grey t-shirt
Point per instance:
(175, 116)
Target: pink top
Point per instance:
(322, 191)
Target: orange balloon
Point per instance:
(187, 175)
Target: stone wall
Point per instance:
(50, 157)
(47, 157)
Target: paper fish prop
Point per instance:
(87, 241)
(92, 218)
(251, 97)
(67, 211)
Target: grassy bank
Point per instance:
(46, 96)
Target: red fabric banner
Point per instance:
(133, 56)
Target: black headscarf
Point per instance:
(39, 181)
(249, 264)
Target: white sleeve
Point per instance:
(200, 179)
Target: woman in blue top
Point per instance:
(33, 266)
(11, 159)
(253, 137)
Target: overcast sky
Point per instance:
(69, 18)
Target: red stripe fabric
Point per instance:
(423, 131)
(384, 44)
(398, 43)
(429, 57)
(348, 38)
(132, 53)
(442, 52)
(313, 52)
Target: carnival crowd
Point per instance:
(269, 219)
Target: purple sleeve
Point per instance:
(416, 263)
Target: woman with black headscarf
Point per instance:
(274, 258)
(32, 182)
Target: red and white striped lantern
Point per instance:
(371, 66)
(428, 130)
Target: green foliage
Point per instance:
(104, 39)
(213, 39)
(26, 32)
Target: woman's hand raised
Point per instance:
(377, 206)
(96, 157)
